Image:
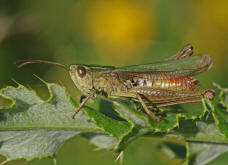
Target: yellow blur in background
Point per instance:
(119, 29)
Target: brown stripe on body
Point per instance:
(162, 95)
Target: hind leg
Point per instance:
(185, 52)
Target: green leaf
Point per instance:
(199, 153)
(173, 150)
(30, 122)
(220, 112)
(28, 111)
(32, 144)
(204, 141)
(203, 153)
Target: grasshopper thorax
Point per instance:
(82, 78)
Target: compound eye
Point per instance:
(81, 71)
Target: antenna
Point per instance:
(22, 63)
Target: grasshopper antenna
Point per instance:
(22, 63)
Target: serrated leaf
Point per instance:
(220, 112)
(34, 128)
(200, 153)
(28, 111)
(46, 124)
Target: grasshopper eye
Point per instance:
(81, 71)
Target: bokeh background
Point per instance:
(108, 32)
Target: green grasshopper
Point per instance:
(163, 83)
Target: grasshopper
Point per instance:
(163, 83)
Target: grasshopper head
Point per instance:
(82, 78)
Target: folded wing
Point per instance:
(187, 66)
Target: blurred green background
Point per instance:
(108, 32)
